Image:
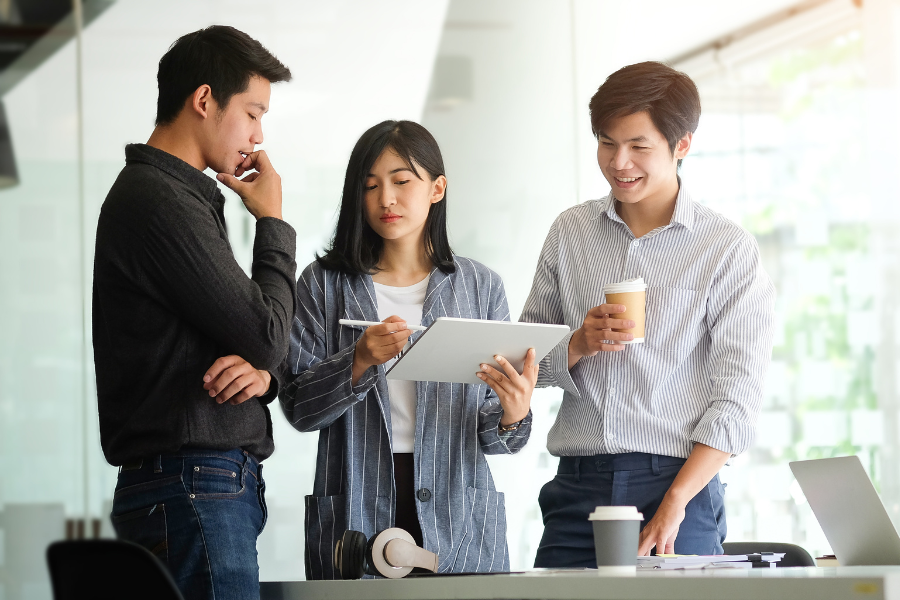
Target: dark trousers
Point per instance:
(633, 479)
(406, 515)
(199, 512)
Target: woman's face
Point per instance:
(397, 201)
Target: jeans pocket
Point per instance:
(217, 482)
(717, 500)
(144, 486)
(261, 496)
(145, 527)
(554, 494)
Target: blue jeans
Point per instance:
(633, 479)
(200, 512)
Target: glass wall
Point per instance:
(796, 143)
(346, 71)
(788, 146)
(44, 387)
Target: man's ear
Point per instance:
(202, 102)
(683, 146)
(438, 189)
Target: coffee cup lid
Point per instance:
(629, 285)
(616, 513)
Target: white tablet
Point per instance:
(451, 349)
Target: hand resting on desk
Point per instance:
(696, 473)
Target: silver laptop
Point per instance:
(849, 510)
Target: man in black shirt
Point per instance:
(169, 299)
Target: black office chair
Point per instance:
(107, 570)
(794, 555)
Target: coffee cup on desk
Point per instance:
(616, 533)
(632, 294)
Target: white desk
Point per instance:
(809, 583)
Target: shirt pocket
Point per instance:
(673, 319)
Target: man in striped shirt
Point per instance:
(649, 424)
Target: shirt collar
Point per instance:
(177, 168)
(684, 208)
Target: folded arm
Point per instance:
(247, 316)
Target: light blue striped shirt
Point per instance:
(699, 375)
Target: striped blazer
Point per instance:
(464, 520)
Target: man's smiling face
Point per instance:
(636, 160)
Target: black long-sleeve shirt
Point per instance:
(169, 299)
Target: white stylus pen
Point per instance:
(370, 323)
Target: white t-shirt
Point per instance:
(406, 303)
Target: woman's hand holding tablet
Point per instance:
(514, 390)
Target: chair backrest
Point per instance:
(107, 570)
(794, 555)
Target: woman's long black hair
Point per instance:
(355, 247)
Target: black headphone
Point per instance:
(391, 553)
(350, 555)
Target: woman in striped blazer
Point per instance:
(391, 453)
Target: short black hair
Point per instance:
(669, 96)
(220, 56)
(355, 247)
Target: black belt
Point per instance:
(155, 461)
(607, 463)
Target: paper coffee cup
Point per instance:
(633, 295)
(616, 533)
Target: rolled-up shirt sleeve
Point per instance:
(740, 318)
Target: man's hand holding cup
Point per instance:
(605, 328)
(596, 333)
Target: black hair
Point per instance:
(670, 98)
(219, 56)
(355, 247)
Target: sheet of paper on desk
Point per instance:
(699, 565)
(692, 561)
(712, 565)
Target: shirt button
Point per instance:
(635, 243)
(612, 390)
(424, 494)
